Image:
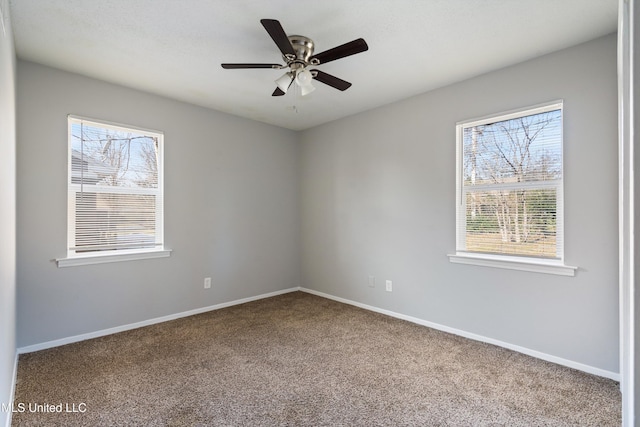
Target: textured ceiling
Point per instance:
(174, 47)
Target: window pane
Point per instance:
(107, 221)
(524, 149)
(515, 222)
(111, 157)
(115, 188)
(510, 184)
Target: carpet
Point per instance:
(301, 360)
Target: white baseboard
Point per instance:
(549, 358)
(103, 332)
(537, 354)
(12, 394)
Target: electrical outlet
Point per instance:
(389, 285)
(207, 282)
(372, 282)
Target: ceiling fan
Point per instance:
(297, 52)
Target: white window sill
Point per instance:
(514, 263)
(112, 257)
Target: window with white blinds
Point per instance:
(115, 199)
(509, 196)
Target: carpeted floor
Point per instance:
(301, 360)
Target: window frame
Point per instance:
(74, 258)
(510, 261)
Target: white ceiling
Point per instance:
(174, 47)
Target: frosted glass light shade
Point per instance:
(307, 89)
(303, 79)
(285, 81)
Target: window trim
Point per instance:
(535, 265)
(101, 257)
(508, 261)
(122, 255)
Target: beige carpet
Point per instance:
(302, 360)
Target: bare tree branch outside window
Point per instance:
(511, 170)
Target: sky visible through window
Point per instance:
(516, 150)
(111, 157)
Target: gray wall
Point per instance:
(372, 194)
(378, 198)
(7, 214)
(231, 210)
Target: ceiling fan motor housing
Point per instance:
(303, 47)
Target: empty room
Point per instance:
(363, 212)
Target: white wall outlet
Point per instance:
(372, 282)
(389, 285)
(207, 282)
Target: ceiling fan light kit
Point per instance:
(297, 53)
(285, 81)
(303, 79)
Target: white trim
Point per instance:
(114, 125)
(534, 185)
(115, 330)
(543, 356)
(13, 390)
(4, 6)
(535, 265)
(626, 196)
(534, 353)
(515, 113)
(462, 190)
(103, 189)
(112, 257)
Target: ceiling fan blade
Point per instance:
(277, 92)
(330, 80)
(235, 66)
(347, 49)
(278, 35)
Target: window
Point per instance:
(509, 190)
(115, 193)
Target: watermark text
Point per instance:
(33, 407)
